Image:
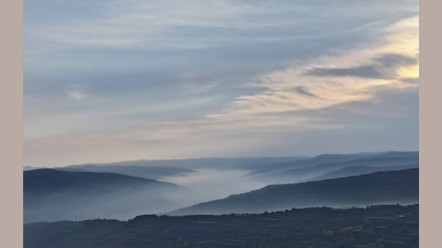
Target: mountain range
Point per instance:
(295, 173)
(125, 189)
(360, 170)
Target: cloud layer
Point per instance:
(121, 80)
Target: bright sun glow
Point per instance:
(409, 72)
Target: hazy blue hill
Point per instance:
(376, 188)
(360, 170)
(395, 154)
(302, 174)
(254, 164)
(156, 169)
(150, 172)
(326, 159)
(63, 195)
(334, 158)
(199, 163)
(73, 169)
(44, 181)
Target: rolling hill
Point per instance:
(208, 163)
(148, 172)
(48, 181)
(51, 195)
(309, 162)
(376, 188)
(360, 170)
(303, 174)
(396, 154)
(157, 169)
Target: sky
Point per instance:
(120, 80)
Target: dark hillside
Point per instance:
(51, 195)
(376, 226)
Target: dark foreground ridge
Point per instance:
(386, 226)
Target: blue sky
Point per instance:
(124, 80)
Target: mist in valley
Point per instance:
(115, 191)
(211, 184)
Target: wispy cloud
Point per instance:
(77, 92)
(383, 67)
(136, 23)
(196, 78)
(301, 88)
(77, 95)
(190, 24)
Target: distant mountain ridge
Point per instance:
(204, 163)
(50, 181)
(320, 159)
(397, 154)
(360, 170)
(305, 173)
(178, 166)
(157, 169)
(149, 172)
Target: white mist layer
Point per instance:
(211, 184)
